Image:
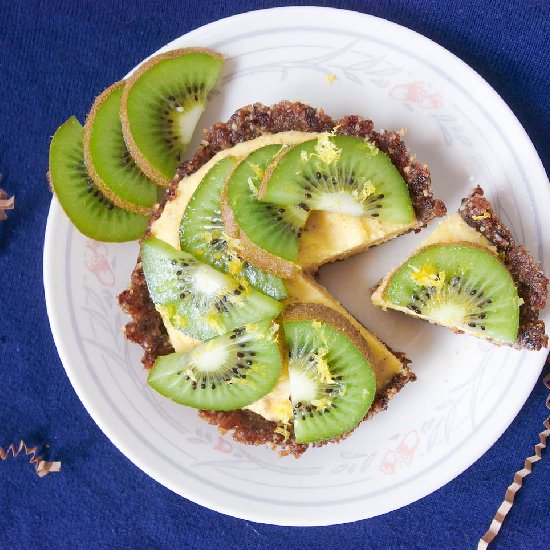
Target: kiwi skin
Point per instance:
(115, 199)
(251, 252)
(269, 170)
(142, 163)
(305, 311)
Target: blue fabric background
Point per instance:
(55, 57)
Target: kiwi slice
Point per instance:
(342, 174)
(196, 298)
(266, 230)
(90, 211)
(225, 373)
(459, 286)
(203, 234)
(332, 384)
(108, 161)
(161, 105)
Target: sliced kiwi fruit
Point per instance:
(202, 233)
(332, 383)
(225, 373)
(90, 211)
(342, 174)
(161, 105)
(269, 235)
(198, 299)
(107, 159)
(460, 286)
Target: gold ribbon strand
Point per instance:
(41, 467)
(513, 489)
(5, 204)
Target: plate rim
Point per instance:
(87, 400)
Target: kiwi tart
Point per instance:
(328, 353)
(470, 276)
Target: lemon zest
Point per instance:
(372, 147)
(322, 404)
(235, 266)
(482, 217)
(367, 189)
(283, 430)
(283, 410)
(326, 150)
(330, 77)
(428, 276)
(322, 366)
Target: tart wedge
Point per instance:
(470, 276)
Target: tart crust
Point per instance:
(147, 328)
(527, 273)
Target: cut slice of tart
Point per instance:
(470, 276)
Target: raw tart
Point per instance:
(471, 276)
(248, 129)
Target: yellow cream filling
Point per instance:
(327, 236)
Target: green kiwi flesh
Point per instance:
(332, 384)
(90, 211)
(198, 299)
(225, 373)
(459, 286)
(342, 174)
(161, 105)
(107, 159)
(202, 233)
(273, 228)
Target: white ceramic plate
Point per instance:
(467, 391)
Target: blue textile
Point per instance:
(55, 57)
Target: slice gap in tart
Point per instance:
(468, 276)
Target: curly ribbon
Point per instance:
(5, 204)
(512, 490)
(41, 467)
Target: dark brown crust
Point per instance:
(147, 328)
(527, 273)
